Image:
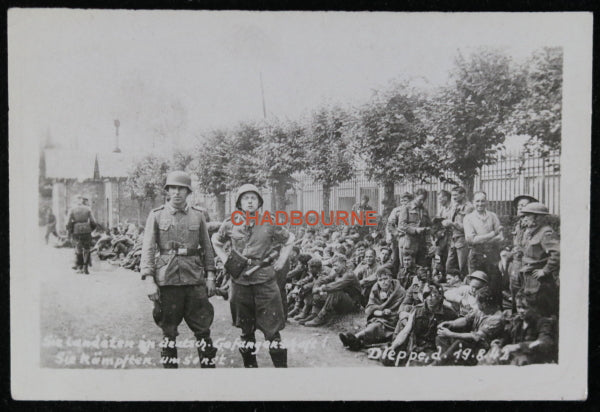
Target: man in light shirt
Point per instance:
(484, 236)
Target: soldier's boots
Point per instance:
(279, 357)
(305, 313)
(223, 292)
(85, 270)
(308, 318)
(168, 357)
(295, 311)
(249, 357)
(354, 343)
(207, 357)
(317, 321)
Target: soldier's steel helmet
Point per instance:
(478, 274)
(518, 198)
(179, 178)
(535, 208)
(244, 189)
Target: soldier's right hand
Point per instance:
(151, 289)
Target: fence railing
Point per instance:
(511, 175)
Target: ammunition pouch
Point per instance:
(235, 264)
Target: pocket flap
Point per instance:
(193, 227)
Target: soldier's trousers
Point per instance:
(338, 302)
(457, 259)
(83, 244)
(258, 307)
(189, 303)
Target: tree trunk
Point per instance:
(274, 197)
(280, 194)
(326, 198)
(469, 184)
(221, 206)
(389, 202)
(139, 213)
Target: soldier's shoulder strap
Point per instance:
(161, 207)
(203, 211)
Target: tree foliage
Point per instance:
(467, 116)
(147, 178)
(245, 157)
(210, 162)
(329, 157)
(281, 154)
(538, 114)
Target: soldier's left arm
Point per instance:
(551, 244)
(282, 235)
(209, 257)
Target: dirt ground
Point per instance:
(104, 320)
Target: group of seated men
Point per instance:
(451, 290)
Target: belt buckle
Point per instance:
(182, 251)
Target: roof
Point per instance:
(114, 164)
(74, 164)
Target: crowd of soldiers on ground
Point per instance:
(453, 289)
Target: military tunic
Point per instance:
(80, 223)
(256, 301)
(180, 239)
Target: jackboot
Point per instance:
(248, 357)
(168, 357)
(85, 270)
(279, 357)
(207, 357)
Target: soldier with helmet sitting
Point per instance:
(181, 279)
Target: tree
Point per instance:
(244, 159)
(209, 165)
(538, 114)
(281, 153)
(329, 158)
(146, 180)
(467, 116)
(391, 140)
(180, 160)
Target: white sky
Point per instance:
(73, 72)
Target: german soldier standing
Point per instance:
(176, 280)
(255, 296)
(80, 224)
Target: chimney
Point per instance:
(116, 149)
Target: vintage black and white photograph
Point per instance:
(361, 198)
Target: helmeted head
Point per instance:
(521, 201)
(477, 280)
(179, 178)
(533, 213)
(255, 202)
(178, 187)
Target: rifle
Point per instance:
(271, 257)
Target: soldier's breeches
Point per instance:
(189, 303)
(338, 302)
(258, 307)
(83, 243)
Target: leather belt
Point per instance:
(254, 262)
(181, 252)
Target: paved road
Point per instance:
(104, 321)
